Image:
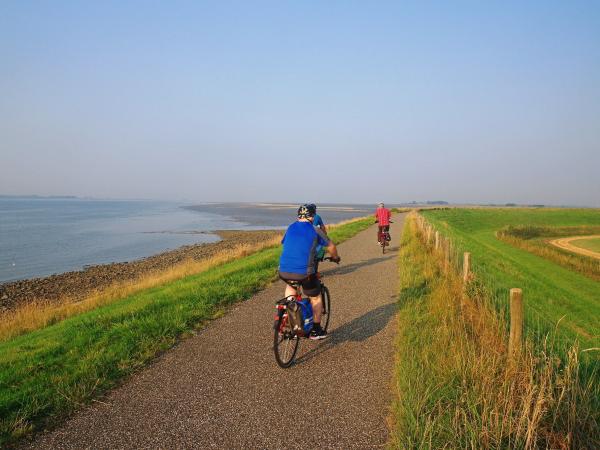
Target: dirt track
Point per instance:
(222, 388)
(565, 244)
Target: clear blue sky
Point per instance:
(302, 101)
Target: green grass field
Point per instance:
(588, 244)
(48, 373)
(554, 295)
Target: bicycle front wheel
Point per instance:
(285, 346)
(326, 307)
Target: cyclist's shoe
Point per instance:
(317, 333)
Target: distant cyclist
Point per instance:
(382, 217)
(297, 262)
(317, 221)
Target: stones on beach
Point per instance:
(78, 284)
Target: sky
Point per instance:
(336, 101)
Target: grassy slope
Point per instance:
(551, 291)
(588, 244)
(49, 372)
(454, 386)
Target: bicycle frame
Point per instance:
(289, 328)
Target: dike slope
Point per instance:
(223, 389)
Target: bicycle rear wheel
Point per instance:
(326, 307)
(285, 346)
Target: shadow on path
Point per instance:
(349, 268)
(357, 330)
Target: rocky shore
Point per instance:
(78, 284)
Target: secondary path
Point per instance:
(565, 244)
(222, 388)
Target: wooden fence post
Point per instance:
(446, 248)
(466, 267)
(437, 240)
(516, 320)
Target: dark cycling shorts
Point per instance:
(311, 285)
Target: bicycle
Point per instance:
(383, 236)
(286, 331)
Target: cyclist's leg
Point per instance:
(289, 291)
(312, 287)
(317, 306)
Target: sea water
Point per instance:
(44, 236)
(39, 237)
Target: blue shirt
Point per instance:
(318, 222)
(300, 244)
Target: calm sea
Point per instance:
(40, 237)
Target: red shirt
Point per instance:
(383, 216)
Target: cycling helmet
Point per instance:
(380, 204)
(305, 212)
(312, 208)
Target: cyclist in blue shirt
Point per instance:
(317, 221)
(319, 224)
(297, 262)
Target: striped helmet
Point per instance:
(305, 212)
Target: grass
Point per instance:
(456, 386)
(48, 373)
(588, 244)
(39, 314)
(555, 297)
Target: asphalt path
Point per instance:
(222, 388)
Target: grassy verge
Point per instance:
(456, 388)
(49, 372)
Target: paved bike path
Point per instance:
(222, 388)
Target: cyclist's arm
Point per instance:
(322, 227)
(328, 244)
(332, 250)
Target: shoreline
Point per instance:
(76, 285)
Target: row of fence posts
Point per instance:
(440, 243)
